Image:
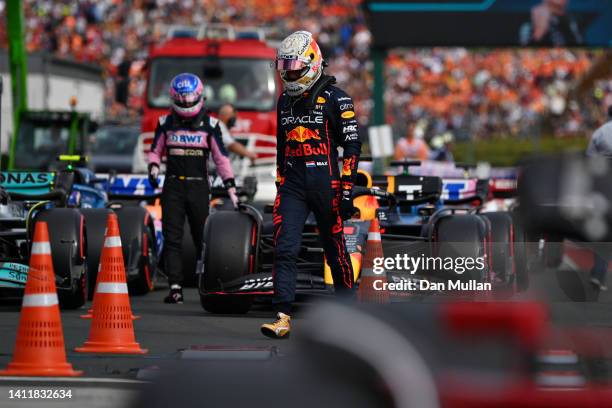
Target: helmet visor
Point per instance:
(187, 104)
(294, 75)
(283, 64)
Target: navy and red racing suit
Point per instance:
(187, 144)
(310, 129)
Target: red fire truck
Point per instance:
(235, 66)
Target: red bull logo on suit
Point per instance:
(301, 134)
(306, 150)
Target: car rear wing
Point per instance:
(129, 186)
(138, 187)
(411, 190)
(464, 191)
(57, 196)
(35, 186)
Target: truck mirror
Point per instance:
(93, 126)
(213, 72)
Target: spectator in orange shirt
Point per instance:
(411, 147)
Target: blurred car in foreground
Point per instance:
(428, 355)
(112, 148)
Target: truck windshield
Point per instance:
(115, 140)
(248, 84)
(39, 144)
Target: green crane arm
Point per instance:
(18, 67)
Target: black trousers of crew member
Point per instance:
(182, 198)
(294, 202)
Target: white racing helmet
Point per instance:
(300, 62)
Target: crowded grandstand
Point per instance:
(471, 93)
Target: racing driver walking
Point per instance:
(314, 118)
(186, 136)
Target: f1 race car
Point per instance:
(128, 191)
(237, 256)
(30, 198)
(75, 206)
(491, 194)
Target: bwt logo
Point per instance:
(191, 139)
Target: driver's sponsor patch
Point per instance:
(186, 152)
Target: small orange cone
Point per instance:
(89, 314)
(39, 348)
(368, 279)
(112, 330)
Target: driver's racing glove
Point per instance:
(153, 174)
(233, 196)
(230, 185)
(349, 169)
(347, 210)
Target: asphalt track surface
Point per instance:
(168, 330)
(165, 330)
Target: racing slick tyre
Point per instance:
(139, 248)
(228, 254)
(501, 249)
(68, 250)
(95, 221)
(553, 251)
(520, 254)
(462, 236)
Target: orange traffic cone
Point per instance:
(111, 330)
(89, 314)
(369, 282)
(39, 348)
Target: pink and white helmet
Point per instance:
(186, 92)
